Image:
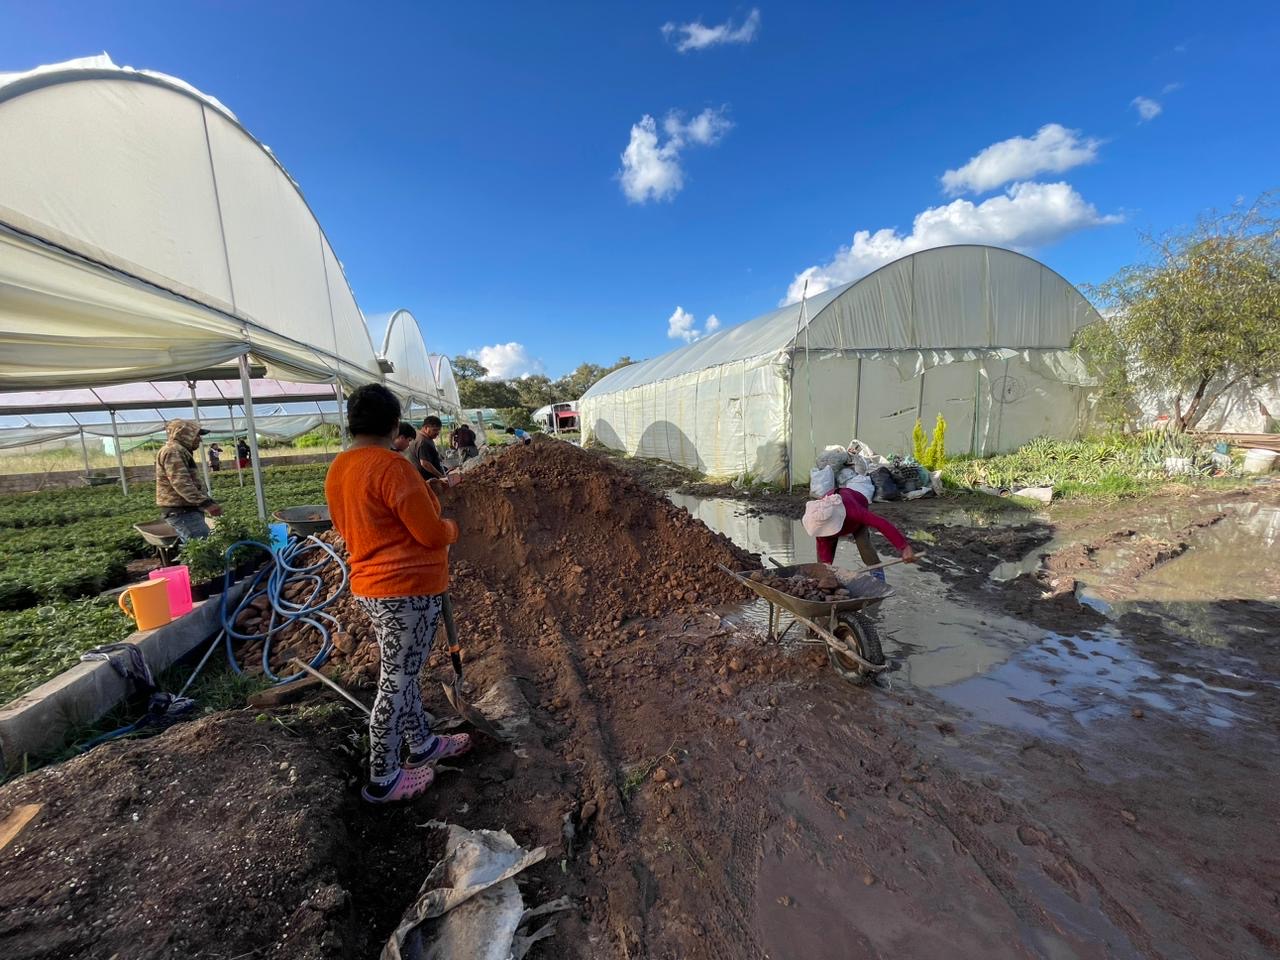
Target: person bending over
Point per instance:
(463, 439)
(398, 546)
(520, 435)
(847, 514)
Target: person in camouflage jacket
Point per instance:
(180, 492)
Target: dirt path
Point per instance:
(702, 792)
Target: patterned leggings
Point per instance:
(405, 627)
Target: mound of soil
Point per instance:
(552, 534)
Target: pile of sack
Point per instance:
(857, 467)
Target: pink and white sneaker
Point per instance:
(409, 783)
(450, 745)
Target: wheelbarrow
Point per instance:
(853, 645)
(161, 535)
(306, 520)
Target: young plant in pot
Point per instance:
(204, 558)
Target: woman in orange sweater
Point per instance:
(398, 550)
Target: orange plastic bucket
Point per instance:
(150, 603)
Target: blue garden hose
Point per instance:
(283, 570)
(286, 570)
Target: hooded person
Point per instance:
(180, 491)
(846, 513)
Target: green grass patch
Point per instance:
(1106, 468)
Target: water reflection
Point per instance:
(1007, 671)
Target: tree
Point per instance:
(536, 390)
(573, 385)
(1197, 320)
(518, 417)
(468, 368)
(487, 393)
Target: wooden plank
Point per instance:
(17, 821)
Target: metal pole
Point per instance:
(115, 436)
(342, 421)
(231, 415)
(85, 450)
(251, 429)
(204, 459)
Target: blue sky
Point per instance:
(466, 159)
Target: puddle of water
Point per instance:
(1233, 559)
(782, 538)
(1090, 678)
(997, 668)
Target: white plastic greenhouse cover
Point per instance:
(979, 335)
(144, 233)
(418, 375)
(956, 298)
(283, 410)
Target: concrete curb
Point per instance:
(37, 722)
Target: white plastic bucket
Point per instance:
(1259, 460)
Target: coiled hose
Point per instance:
(285, 569)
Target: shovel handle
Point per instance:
(888, 563)
(451, 634)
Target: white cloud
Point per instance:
(1053, 149)
(706, 129)
(506, 360)
(1026, 216)
(1171, 88)
(651, 165)
(682, 325)
(1147, 108)
(698, 36)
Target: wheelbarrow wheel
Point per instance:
(860, 633)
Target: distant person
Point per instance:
(847, 514)
(520, 435)
(180, 491)
(215, 457)
(404, 437)
(423, 452)
(242, 453)
(463, 439)
(398, 546)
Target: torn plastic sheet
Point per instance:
(469, 907)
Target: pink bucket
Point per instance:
(179, 588)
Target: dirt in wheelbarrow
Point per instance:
(701, 792)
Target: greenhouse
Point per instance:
(154, 255)
(978, 334)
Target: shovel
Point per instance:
(453, 692)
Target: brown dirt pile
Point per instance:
(551, 534)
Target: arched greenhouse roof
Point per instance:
(954, 298)
(144, 233)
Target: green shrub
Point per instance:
(918, 448)
(935, 455)
(1109, 466)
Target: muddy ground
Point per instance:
(1083, 779)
